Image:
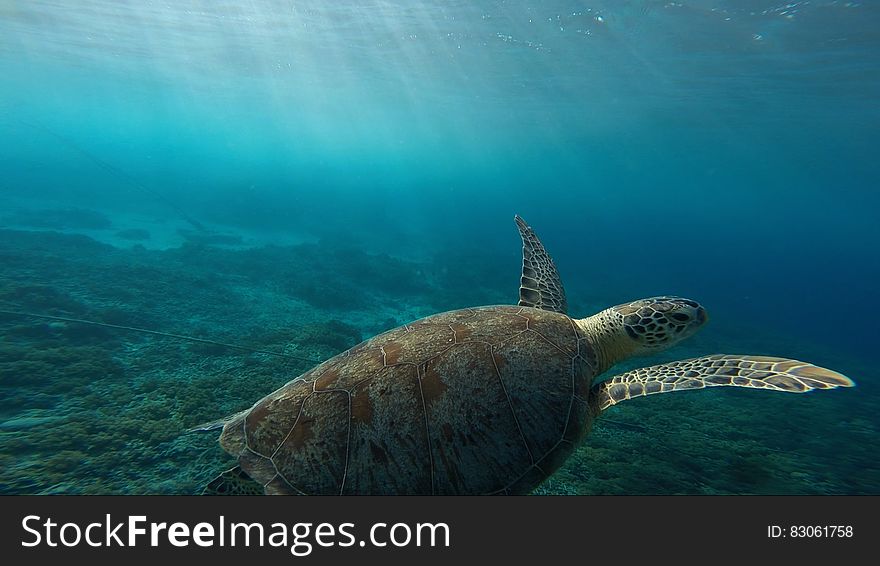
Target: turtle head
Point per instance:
(642, 327)
(659, 322)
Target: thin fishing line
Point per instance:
(159, 333)
(117, 172)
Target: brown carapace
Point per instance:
(487, 400)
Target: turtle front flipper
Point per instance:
(540, 286)
(233, 482)
(760, 372)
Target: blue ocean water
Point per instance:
(361, 162)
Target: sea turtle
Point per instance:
(478, 400)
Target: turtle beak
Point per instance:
(702, 316)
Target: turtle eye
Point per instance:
(680, 316)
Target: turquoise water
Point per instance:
(304, 175)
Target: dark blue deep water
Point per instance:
(303, 175)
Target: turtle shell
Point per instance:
(472, 401)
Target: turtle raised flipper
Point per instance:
(540, 286)
(759, 372)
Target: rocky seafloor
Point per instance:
(88, 409)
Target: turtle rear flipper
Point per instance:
(759, 372)
(233, 482)
(214, 425)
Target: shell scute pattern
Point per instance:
(394, 440)
(401, 348)
(462, 402)
(540, 404)
(558, 332)
(313, 455)
(268, 422)
(470, 422)
(492, 330)
(346, 372)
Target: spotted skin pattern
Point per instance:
(474, 401)
(656, 322)
(758, 372)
